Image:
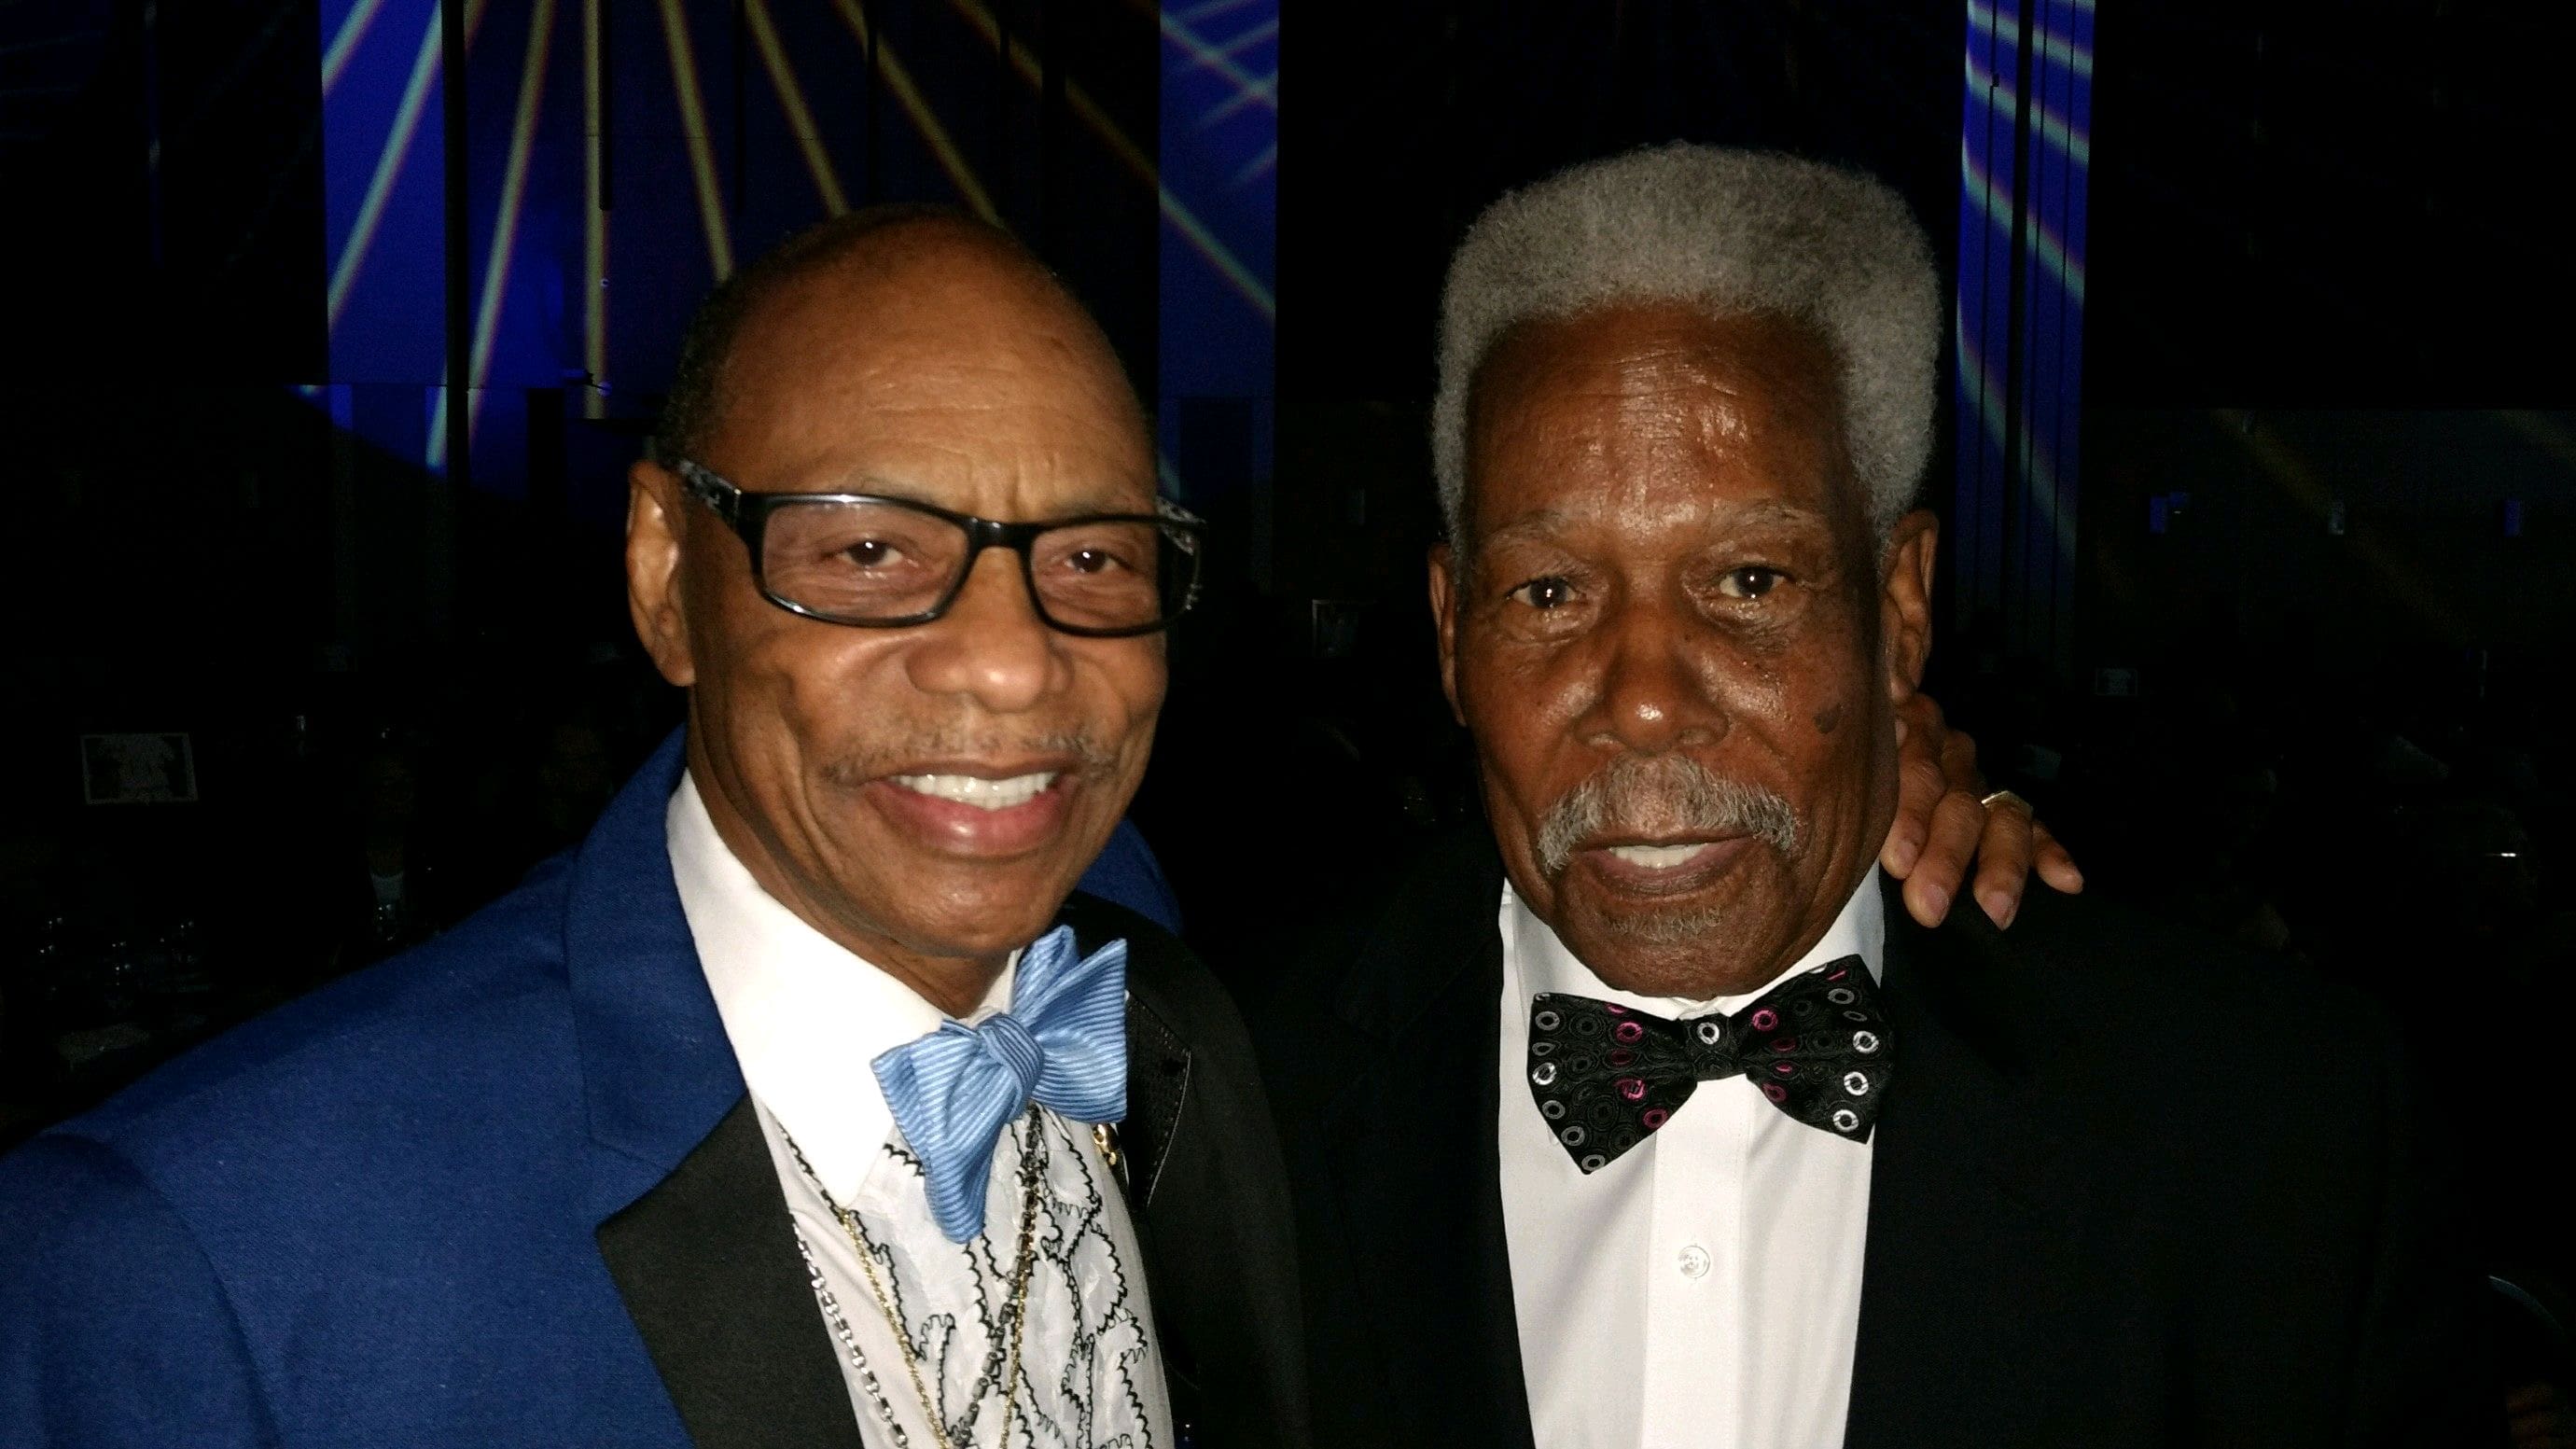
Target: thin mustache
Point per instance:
(1090, 757)
(1662, 793)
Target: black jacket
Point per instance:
(2130, 1188)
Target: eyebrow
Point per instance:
(1540, 522)
(1543, 521)
(1762, 515)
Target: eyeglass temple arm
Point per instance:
(712, 491)
(1189, 544)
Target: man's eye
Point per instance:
(1546, 593)
(872, 553)
(1094, 561)
(1749, 583)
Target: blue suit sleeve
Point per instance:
(114, 1330)
(1127, 874)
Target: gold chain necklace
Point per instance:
(1025, 1261)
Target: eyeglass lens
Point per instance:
(882, 561)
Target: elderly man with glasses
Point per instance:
(806, 1102)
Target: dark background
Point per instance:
(2309, 692)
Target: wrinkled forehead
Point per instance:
(1572, 407)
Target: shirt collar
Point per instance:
(1544, 964)
(806, 1015)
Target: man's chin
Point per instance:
(962, 931)
(1679, 905)
(950, 906)
(1692, 949)
(1672, 928)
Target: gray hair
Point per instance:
(1732, 231)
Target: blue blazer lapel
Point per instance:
(689, 1216)
(657, 1070)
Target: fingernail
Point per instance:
(1940, 901)
(1906, 853)
(2001, 908)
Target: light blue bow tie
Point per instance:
(1063, 1045)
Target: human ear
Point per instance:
(1905, 602)
(1445, 591)
(653, 592)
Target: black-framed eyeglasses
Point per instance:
(882, 563)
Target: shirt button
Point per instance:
(1694, 1261)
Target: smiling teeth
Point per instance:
(1659, 857)
(981, 793)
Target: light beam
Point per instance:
(791, 98)
(942, 147)
(389, 162)
(1133, 157)
(505, 223)
(693, 129)
(344, 42)
(594, 239)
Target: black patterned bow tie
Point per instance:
(1606, 1076)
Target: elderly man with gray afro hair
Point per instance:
(1734, 232)
(1655, 1110)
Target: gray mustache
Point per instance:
(1662, 795)
(1089, 755)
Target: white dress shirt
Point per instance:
(1703, 1289)
(806, 1018)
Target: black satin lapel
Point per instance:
(1968, 1314)
(1158, 1053)
(1421, 1183)
(708, 1266)
(1158, 1090)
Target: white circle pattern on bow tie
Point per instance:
(1817, 1050)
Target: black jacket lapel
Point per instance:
(707, 1264)
(1201, 1168)
(1411, 1139)
(1967, 1316)
(1159, 1063)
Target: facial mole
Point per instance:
(1828, 718)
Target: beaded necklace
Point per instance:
(1030, 1166)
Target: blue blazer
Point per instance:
(506, 1190)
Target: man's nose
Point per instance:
(1654, 692)
(990, 646)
